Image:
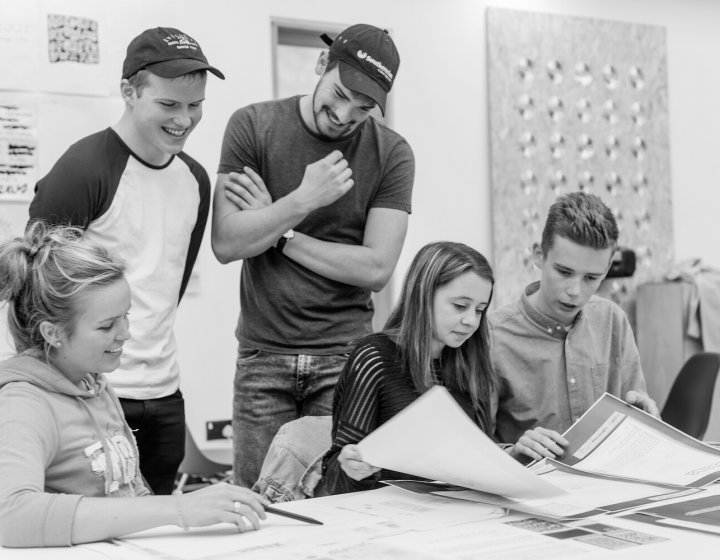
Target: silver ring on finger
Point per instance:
(236, 507)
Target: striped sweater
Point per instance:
(371, 389)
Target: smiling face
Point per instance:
(570, 274)
(162, 114)
(336, 110)
(457, 309)
(98, 333)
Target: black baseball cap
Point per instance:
(368, 60)
(166, 52)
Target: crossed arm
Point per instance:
(247, 222)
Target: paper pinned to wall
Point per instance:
(18, 45)
(74, 39)
(18, 149)
(57, 46)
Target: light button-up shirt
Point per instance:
(549, 374)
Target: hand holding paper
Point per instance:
(435, 439)
(352, 464)
(643, 402)
(539, 443)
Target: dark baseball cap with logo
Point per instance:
(166, 52)
(368, 60)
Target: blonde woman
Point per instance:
(69, 466)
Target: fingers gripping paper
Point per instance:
(435, 439)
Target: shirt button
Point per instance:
(572, 380)
(549, 330)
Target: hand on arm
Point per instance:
(537, 444)
(352, 464)
(643, 402)
(369, 265)
(247, 190)
(238, 234)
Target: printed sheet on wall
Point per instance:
(577, 104)
(18, 150)
(56, 46)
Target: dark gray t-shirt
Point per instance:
(284, 307)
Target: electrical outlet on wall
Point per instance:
(218, 429)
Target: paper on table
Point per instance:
(702, 514)
(587, 494)
(435, 439)
(616, 439)
(353, 519)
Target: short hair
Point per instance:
(140, 78)
(466, 368)
(582, 218)
(42, 276)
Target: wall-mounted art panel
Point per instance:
(577, 104)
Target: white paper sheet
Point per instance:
(435, 439)
(587, 495)
(352, 523)
(618, 440)
(489, 541)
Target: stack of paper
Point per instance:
(618, 457)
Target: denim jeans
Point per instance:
(270, 390)
(159, 428)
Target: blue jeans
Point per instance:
(270, 390)
(159, 428)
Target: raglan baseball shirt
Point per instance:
(152, 217)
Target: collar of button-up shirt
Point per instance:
(542, 321)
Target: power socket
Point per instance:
(218, 429)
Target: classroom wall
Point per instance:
(439, 105)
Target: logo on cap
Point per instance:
(180, 41)
(379, 65)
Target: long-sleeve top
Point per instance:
(59, 442)
(549, 375)
(372, 388)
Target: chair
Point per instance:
(196, 464)
(690, 399)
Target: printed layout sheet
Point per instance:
(383, 524)
(587, 495)
(618, 440)
(618, 458)
(433, 438)
(700, 514)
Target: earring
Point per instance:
(59, 344)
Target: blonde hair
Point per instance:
(43, 274)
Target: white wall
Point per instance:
(439, 104)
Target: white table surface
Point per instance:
(358, 526)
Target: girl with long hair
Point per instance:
(436, 335)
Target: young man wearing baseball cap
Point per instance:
(133, 190)
(313, 194)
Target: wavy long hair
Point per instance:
(412, 324)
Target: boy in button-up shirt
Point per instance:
(559, 347)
